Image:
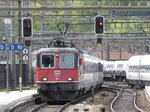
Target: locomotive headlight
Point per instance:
(44, 79)
(57, 56)
(69, 79)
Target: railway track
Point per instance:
(30, 106)
(125, 101)
(58, 108)
(21, 106)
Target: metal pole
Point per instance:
(108, 53)
(93, 94)
(13, 66)
(12, 56)
(7, 72)
(7, 67)
(30, 65)
(20, 40)
(102, 52)
(120, 52)
(7, 23)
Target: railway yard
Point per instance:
(111, 97)
(75, 56)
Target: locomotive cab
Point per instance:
(57, 73)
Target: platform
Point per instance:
(147, 92)
(12, 97)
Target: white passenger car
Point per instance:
(139, 70)
(121, 68)
(109, 69)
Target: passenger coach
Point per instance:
(139, 70)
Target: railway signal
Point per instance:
(27, 43)
(99, 40)
(99, 25)
(27, 27)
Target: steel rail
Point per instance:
(134, 100)
(112, 103)
(75, 100)
(135, 105)
(38, 107)
(20, 104)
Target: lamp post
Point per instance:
(7, 23)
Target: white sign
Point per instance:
(7, 21)
(25, 58)
(12, 47)
(25, 51)
(2, 46)
(20, 47)
(16, 46)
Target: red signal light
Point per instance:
(28, 26)
(100, 24)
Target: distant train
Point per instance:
(139, 70)
(62, 74)
(115, 70)
(108, 69)
(120, 70)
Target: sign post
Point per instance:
(25, 57)
(13, 47)
(7, 22)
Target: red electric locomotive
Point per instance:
(65, 73)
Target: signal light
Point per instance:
(27, 27)
(99, 25)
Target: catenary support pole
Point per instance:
(20, 40)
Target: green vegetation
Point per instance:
(114, 19)
(115, 26)
(2, 90)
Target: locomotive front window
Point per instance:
(48, 61)
(68, 60)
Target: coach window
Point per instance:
(145, 68)
(48, 61)
(148, 68)
(67, 61)
(100, 67)
(76, 60)
(120, 66)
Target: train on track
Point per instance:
(64, 73)
(138, 72)
(115, 70)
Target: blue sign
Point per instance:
(2, 46)
(16, 46)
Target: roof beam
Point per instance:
(125, 8)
